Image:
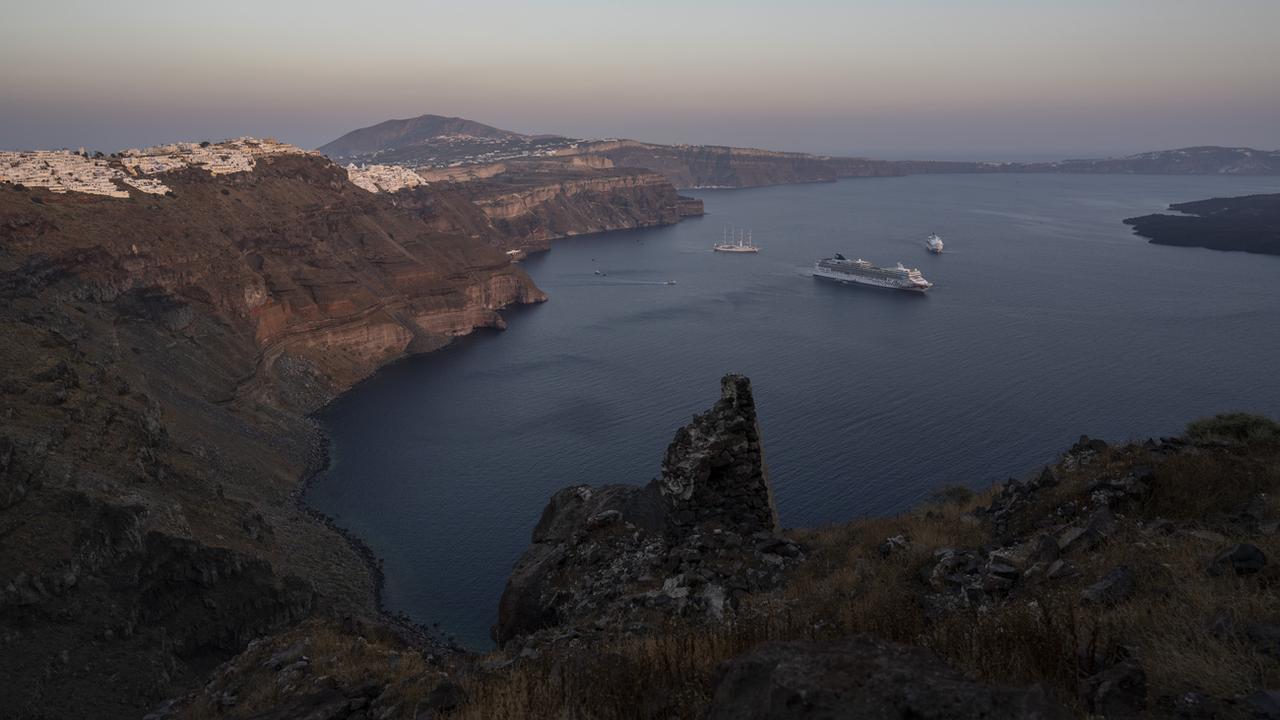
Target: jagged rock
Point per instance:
(708, 525)
(1120, 691)
(714, 469)
(1242, 559)
(865, 678)
(1115, 587)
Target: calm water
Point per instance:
(1048, 319)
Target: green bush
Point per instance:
(1233, 428)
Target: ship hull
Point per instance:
(887, 283)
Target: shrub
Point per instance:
(951, 495)
(1233, 428)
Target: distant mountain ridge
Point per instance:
(435, 141)
(1199, 160)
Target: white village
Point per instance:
(63, 171)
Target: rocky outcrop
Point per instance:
(693, 543)
(865, 678)
(714, 474)
(1250, 223)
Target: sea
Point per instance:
(1048, 319)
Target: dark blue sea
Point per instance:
(1048, 319)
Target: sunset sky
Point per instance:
(980, 79)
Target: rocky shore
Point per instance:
(1250, 223)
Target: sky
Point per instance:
(975, 79)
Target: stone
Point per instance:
(1242, 559)
(1264, 704)
(893, 544)
(1265, 637)
(862, 677)
(1075, 539)
(1115, 587)
(1120, 691)
(1222, 624)
(1102, 523)
(286, 657)
(1046, 550)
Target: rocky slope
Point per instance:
(160, 351)
(1248, 224)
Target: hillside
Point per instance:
(171, 315)
(1248, 224)
(426, 137)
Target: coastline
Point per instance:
(413, 633)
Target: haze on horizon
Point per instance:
(986, 79)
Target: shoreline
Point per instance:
(412, 632)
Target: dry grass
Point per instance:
(1045, 635)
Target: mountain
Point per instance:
(422, 134)
(1250, 223)
(1202, 160)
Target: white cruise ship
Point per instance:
(864, 273)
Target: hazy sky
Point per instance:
(954, 78)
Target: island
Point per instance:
(1249, 223)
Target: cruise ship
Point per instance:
(934, 244)
(864, 273)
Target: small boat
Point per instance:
(740, 246)
(934, 244)
(671, 282)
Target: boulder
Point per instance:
(1264, 705)
(865, 678)
(1120, 691)
(1115, 587)
(1242, 559)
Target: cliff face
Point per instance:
(730, 167)
(526, 205)
(159, 352)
